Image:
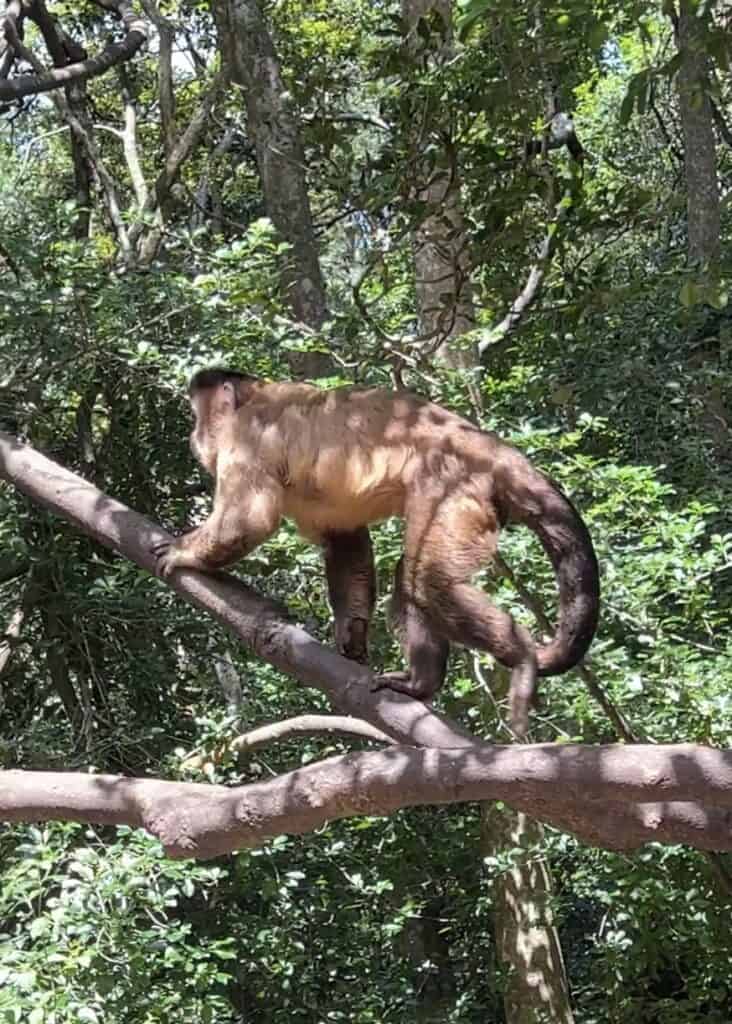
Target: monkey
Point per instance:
(561, 132)
(335, 461)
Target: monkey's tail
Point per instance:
(537, 502)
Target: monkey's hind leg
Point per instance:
(449, 537)
(425, 651)
(349, 569)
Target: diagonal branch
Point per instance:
(531, 290)
(136, 33)
(260, 623)
(180, 150)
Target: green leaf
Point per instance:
(470, 13)
(688, 294)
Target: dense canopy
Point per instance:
(518, 210)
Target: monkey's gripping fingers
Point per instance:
(169, 556)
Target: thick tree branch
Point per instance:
(136, 33)
(616, 796)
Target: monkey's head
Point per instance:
(215, 395)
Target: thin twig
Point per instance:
(276, 732)
(534, 605)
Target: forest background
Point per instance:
(517, 209)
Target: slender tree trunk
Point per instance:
(57, 664)
(536, 989)
(251, 61)
(697, 124)
(527, 940)
(441, 257)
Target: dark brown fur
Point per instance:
(335, 461)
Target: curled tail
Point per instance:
(535, 501)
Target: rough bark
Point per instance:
(251, 61)
(439, 240)
(614, 796)
(528, 944)
(697, 125)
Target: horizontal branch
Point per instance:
(617, 796)
(136, 33)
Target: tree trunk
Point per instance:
(536, 989)
(524, 933)
(251, 61)
(439, 241)
(700, 156)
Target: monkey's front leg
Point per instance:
(349, 569)
(241, 520)
(204, 548)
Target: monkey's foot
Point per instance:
(359, 656)
(171, 555)
(352, 642)
(402, 682)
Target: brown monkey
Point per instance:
(335, 461)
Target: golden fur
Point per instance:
(335, 461)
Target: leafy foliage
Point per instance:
(617, 384)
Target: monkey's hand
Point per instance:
(171, 554)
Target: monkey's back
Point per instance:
(350, 456)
